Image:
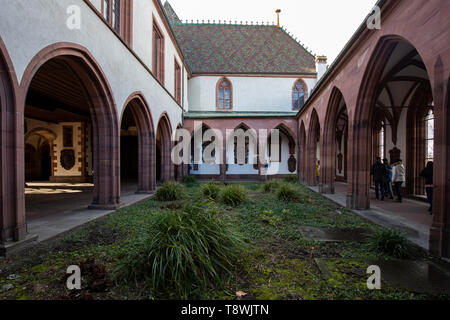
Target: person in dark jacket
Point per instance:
(388, 182)
(427, 173)
(378, 171)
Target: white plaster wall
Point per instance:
(26, 27)
(57, 145)
(249, 93)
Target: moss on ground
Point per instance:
(279, 264)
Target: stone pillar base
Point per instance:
(440, 241)
(326, 188)
(358, 202)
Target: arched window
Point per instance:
(429, 136)
(224, 95)
(299, 95)
(381, 141)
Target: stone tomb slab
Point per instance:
(415, 276)
(335, 234)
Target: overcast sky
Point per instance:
(323, 26)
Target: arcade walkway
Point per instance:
(411, 216)
(55, 208)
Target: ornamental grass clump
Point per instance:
(189, 179)
(169, 191)
(271, 186)
(287, 192)
(391, 243)
(183, 253)
(291, 179)
(233, 195)
(211, 190)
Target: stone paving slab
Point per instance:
(415, 276)
(335, 234)
(423, 277)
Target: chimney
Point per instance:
(321, 66)
(278, 17)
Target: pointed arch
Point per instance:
(164, 144)
(12, 171)
(140, 111)
(302, 158)
(313, 146)
(336, 110)
(103, 111)
(224, 94)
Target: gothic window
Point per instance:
(111, 13)
(158, 53)
(177, 82)
(429, 136)
(381, 147)
(118, 13)
(224, 95)
(299, 95)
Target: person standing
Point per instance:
(378, 171)
(399, 178)
(318, 171)
(388, 182)
(427, 173)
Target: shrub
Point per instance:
(211, 190)
(189, 179)
(291, 179)
(233, 195)
(183, 253)
(169, 191)
(268, 216)
(391, 243)
(271, 186)
(287, 192)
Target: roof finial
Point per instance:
(278, 17)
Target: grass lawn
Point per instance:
(275, 263)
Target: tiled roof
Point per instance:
(171, 14)
(241, 49)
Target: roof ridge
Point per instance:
(230, 23)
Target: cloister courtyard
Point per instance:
(270, 241)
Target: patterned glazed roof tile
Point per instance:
(239, 49)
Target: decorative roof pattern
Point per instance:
(241, 49)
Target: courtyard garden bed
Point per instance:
(249, 247)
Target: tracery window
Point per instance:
(224, 95)
(299, 95)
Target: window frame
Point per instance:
(294, 91)
(158, 64)
(428, 117)
(124, 29)
(178, 80)
(218, 88)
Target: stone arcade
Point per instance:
(88, 115)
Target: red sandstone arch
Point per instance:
(302, 158)
(313, 139)
(364, 113)
(146, 140)
(12, 173)
(328, 163)
(105, 125)
(164, 132)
